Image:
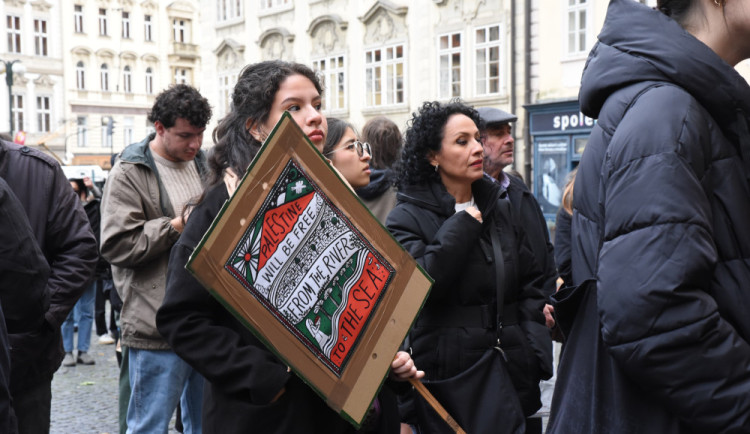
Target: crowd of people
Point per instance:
(651, 253)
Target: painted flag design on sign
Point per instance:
(308, 265)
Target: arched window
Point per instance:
(105, 77)
(126, 77)
(80, 76)
(149, 81)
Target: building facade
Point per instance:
(119, 54)
(375, 57)
(35, 103)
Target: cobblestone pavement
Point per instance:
(84, 398)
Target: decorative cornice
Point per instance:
(384, 5)
(326, 18)
(41, 5)
(284, 33)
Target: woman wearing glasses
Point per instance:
(347, 154)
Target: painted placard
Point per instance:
(311, 268)
(299, 260)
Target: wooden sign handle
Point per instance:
(436, 406)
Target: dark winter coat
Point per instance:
(380, 194)
(64, 236)
(243, 375)
(23, 298)
(562, 247)
(456, 251)
(660, 344)
(532, 219)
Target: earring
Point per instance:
(436, 167)
(718, 3)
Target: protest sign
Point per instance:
(301, 261)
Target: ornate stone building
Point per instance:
(118, 55)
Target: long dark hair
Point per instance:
(252, 99)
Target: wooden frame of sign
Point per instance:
(297, 258)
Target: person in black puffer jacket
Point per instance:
(660, 340)
(450, 218)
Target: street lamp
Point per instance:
(20, 69)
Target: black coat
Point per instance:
(243, 375)
(456, 251)
(661, 344)
(63, 235)
(532, 219)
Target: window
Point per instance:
(17, 101)
(43, 114)
(332, 71)
(14, 34)
(106, 138)
(147, 28)
(126, 25)
(487, 50)
(228, 10)
(78, 18)
(271, 4)
(126, 80)
(226, 86)
(149, 81)
(102, 22)
(577, 23)
(40, 37)
(82, 131)
(127, 130)
(104, 73)
(181, 76)
(449, 58)
(384, 75)
(180, 30)
(80, 76)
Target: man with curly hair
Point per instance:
(142, 217)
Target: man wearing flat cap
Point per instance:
(498, 154)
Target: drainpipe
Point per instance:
(513, 79)
(527, 91)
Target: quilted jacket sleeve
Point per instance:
(656, 264)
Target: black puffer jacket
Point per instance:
(661, 345)
(456, 251)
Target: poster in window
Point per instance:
(550, 174)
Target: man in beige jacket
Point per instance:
(142, 217)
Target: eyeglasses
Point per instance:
(362, 147)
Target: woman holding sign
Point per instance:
(481, 336)
(249, 388)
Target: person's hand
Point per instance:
(178, 223)
(474, 212)
(402, 367)
(548, 318)
(87, 182)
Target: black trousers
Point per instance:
(102, 295)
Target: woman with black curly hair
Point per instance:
(481, 337)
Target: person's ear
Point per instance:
(159, 127)
(254, 129)
(432, 158)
